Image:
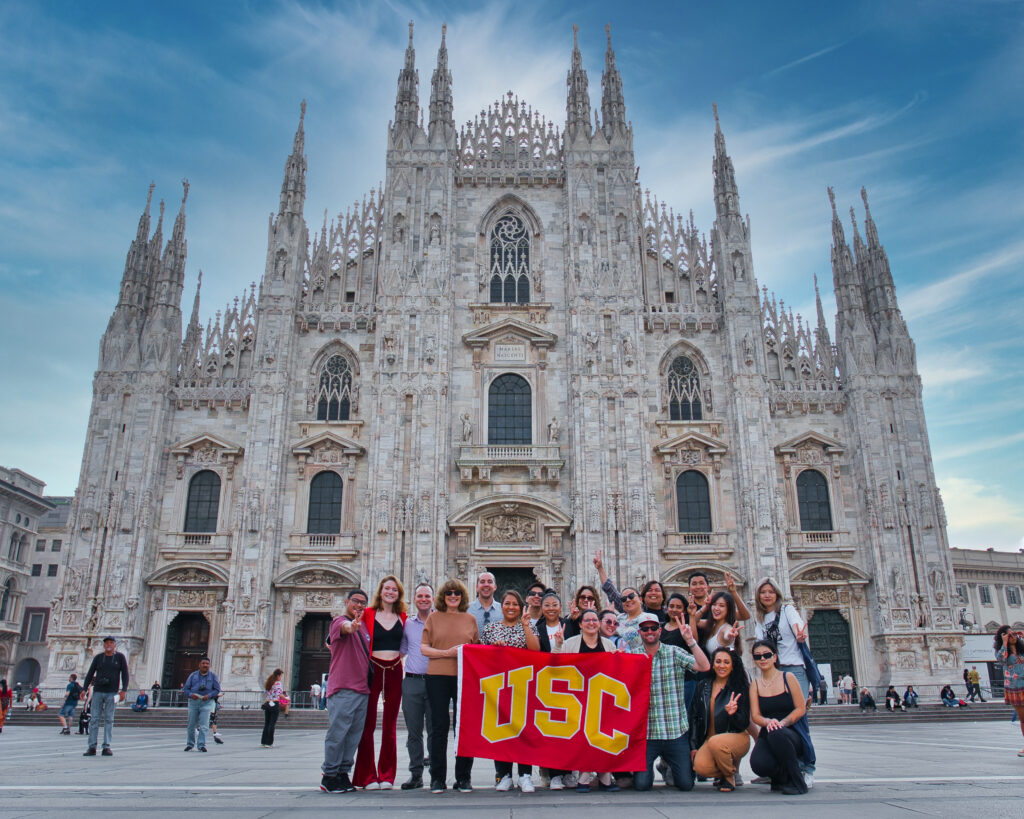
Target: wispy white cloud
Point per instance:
(805, 59)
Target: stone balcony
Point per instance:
(542, 462)
(306, 546)
(833, 543)
(178, 545)
(677, 545)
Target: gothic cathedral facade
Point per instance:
(510, 358)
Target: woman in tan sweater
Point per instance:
(448, 627)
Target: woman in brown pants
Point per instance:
(719, 716)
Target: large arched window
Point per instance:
(684, 391)
(5, 600)
(334, 390)
(693, 502)
(509, 411)
(510, 261)
(324, 504)
(203, 502)
(812, 497)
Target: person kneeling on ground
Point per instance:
(719, 717)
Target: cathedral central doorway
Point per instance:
(188, 639)
(829, 636)
(312, 657)
(509, 577)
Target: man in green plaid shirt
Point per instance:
(666, 720)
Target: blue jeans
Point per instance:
(198, 716)
(103, 705)
(676, 753)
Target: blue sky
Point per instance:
(918, 101)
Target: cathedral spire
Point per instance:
(407, 106)
(727, 195)
(577, 103)
(293, 188)
(880, 289)
(821, 334)
(134, 282)
(172, 270)
(613, 104)
(442, 108)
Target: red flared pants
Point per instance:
(387, 677)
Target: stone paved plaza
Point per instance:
(937, 769)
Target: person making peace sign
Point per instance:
(719, 717)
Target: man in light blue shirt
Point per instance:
(415, 706)
(202, 689)
(485, 608)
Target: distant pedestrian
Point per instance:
(347, 692)
(1009, 648)
(867, 701)
(848, 689)
(892, 699)
(974, 679)
(5, 702)
(213, 722)
(910, 697)
(314, 695)
(822, 692)
(141, 702)
(202, 689)
(273, 691)
(106, 671)
(155, 701)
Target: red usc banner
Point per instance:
(577, 712)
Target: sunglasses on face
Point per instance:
(533, 594)
(586, 597)
(453, 594)
(630, 596)
(763, 656)
(649, 628)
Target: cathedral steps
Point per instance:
(309, 719)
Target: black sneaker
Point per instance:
(330, 784)
(218, 740)
(90, 752)
(203, 749)
(463, 786)
(414, 784)
(188, 748)
(106, 752)
(436, 785)
(345, 784)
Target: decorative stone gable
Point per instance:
(811, 449)
(205, 451)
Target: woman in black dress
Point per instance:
(776, 702)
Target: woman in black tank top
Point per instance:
(776, 702)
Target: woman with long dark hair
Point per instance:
(776, 702)
(273, 692)
(384, 619)
(719, 716)
(720, 627)
(1009, 648)
(513, 630)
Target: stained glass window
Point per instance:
(510, 261)
(684, 391)
(335, 390)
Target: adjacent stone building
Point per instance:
(509, 357)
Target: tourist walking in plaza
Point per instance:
(719, 717)
(777, 702)
(974, 683)
(415, 705)
(347, 692)
(202, 689)
(73, 692)
(1009, 651)
(5, 702)
(106, 671)
(667, 725)
(384, 621)
(515, 631)
(273, 691)
(448, 627)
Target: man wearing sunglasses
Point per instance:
(667, 726)
(534, 593)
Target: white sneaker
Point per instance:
(526, 784)
(386, 786)
(809, 779)
(557, 784)
(505, 784)
(372, 786)
(571, 779)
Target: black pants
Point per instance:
(270, 722)
(776, 755)
(442, 692)
(505, 769)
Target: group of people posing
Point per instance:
(705, 711)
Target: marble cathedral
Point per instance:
(509, 357)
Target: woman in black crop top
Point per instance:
(385, 621)
(776, 702)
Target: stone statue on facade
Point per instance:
(467, 428)
(553, 430)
